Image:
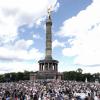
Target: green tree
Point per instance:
(26, 75)
(79, 70)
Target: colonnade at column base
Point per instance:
(48, 65)
(48, 69)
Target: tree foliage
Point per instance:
(7, 77)
(77, 76)
(70, 75)
(79, 70)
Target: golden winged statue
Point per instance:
(49, 11)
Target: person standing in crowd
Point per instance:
(49, 90)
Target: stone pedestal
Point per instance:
(59, 76)
(33, 76)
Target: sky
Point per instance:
(75, 30)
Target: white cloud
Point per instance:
(85, 69)
(17, 67)
(69, 52)
(39, 20)
(36, 36)
(86, 29)
(56, 43)
(19, 55)
(56, 6)
(20, 51)
(22, 44)
(14, 13)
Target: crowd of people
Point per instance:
(49, 90)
